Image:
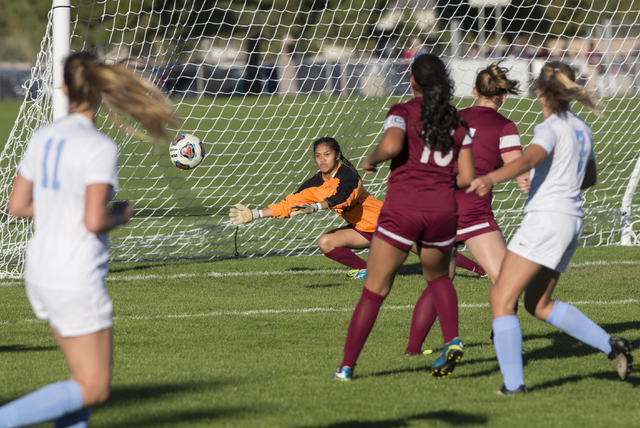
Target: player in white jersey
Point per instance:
(65, 182)
(562, 158)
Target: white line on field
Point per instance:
(126, 278)
(312, 310)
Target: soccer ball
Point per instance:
(186, 151)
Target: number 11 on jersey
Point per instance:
(55, 184)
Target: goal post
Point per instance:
(259, 81)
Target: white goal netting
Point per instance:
(259, 81)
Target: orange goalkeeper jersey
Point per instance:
(345, 195)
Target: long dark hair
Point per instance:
(333, 145)
(438, 116)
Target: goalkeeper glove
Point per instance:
(304, 209)
(241, 214)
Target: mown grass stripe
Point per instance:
(315, 310)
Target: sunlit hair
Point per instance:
(557, 85)
(90, 82)
(333, 145)
(492, 82)
(438, 116)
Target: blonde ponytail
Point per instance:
(90, 82)
(557, 84)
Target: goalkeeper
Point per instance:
(337, 187)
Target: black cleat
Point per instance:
(620, 356)
(504, 391)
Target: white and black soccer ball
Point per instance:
(186, 151)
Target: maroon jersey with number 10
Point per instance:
(421, 179)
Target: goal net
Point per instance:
(259, 81)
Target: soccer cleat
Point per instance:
(450, 356)
(357, 274)
(343, 374)
(504, 391)
(620, 356)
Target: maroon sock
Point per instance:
(466, 263)
(445, 301)
(346, 257)
(424, 315)
(360, 326)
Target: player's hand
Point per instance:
(481, 185)
(367, 166)
(241, 214)
(524, 182)
(303, 209)
(122, 211)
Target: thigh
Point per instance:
(435, 262)
(382, 265)
(89, 358)
(489, 250)
(515, 275)
(347, 237)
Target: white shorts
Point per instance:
(547, 238)
(72, 311)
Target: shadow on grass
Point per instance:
(126, 395)
(448, 417)
(171, 418)
(609, 375)
(324, 285)
(25, 348)
(132, 396)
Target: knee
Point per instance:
(324, 243)
(94, 392)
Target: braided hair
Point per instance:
(333, 145)
(439, 118)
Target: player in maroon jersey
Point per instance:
(423, 139)
(495, 142)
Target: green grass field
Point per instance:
(253, 343)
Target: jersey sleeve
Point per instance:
(101, 164)
(544, 137)
(396, 118)
(314, 181)
(347, 188)
(510, 138)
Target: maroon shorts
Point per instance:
(366, 235)
(402, 228)
(468, 228)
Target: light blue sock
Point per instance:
(45, 404)
(79, 419)
(507, 339)
(578, 325)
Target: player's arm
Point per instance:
(466, 168)
(97, 217)
(21, 199)
(524, 180)
(532, 156)
(590, 176)
(388, 148)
